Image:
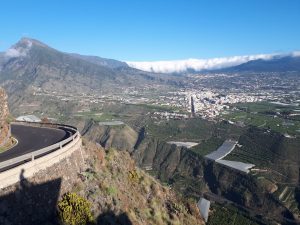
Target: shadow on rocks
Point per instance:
(109, 218)
(30, 203)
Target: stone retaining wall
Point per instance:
(28, 169)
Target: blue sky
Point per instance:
(155, 30)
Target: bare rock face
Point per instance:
(4, 112)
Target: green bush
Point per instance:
(111, 191)
(75, 210)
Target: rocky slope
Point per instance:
(114, 183)
(4, 113)
(119, 192)
(191, 175)
(121, 137)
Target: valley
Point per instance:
(169, 123)
(150, 112)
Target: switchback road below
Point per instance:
(31, 139)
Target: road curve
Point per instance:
(31, 139)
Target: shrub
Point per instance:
(74, 210)
(177, 208)
(111, 191)
(89, 174)
(133, 176)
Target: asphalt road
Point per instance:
(31, 139)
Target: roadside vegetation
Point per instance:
(9, 144)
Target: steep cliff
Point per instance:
(121, 137)
(119, 192)
(4, 112)
(193, 176)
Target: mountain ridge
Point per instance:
(111, 63)
(276, 64)
(30, 52)
(31, 70)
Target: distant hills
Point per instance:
(276, 64)
(111, 63)
(30, 67)
(32, 63)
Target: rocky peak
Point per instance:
(28, 42)
(22, 47)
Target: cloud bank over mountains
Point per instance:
(178, 66)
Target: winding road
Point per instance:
(33, 138)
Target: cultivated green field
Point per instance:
(265, 115)
(228, 216)
(98, 117)
(210, 135)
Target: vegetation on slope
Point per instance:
(279, 118)
(119, 191)
(228, 216)
(74, 210)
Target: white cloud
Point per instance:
(19, 51)
(12, 52)
(296, 54)
(197, 64)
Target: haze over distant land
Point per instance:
(178, 66)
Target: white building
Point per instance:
(29, 118)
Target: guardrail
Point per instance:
(11, 163)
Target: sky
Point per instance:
(155, 30)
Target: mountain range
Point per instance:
(30, 66)
(275, 64)
(32, 63)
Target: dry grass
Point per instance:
(119, 186)
(10, 143)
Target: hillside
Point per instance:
(117, 191)
(276, 64)
(30, 67)
(108, 181)
(34, 63)
(116, 184)
(121, 137)
(111, 63)
(189, 173)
